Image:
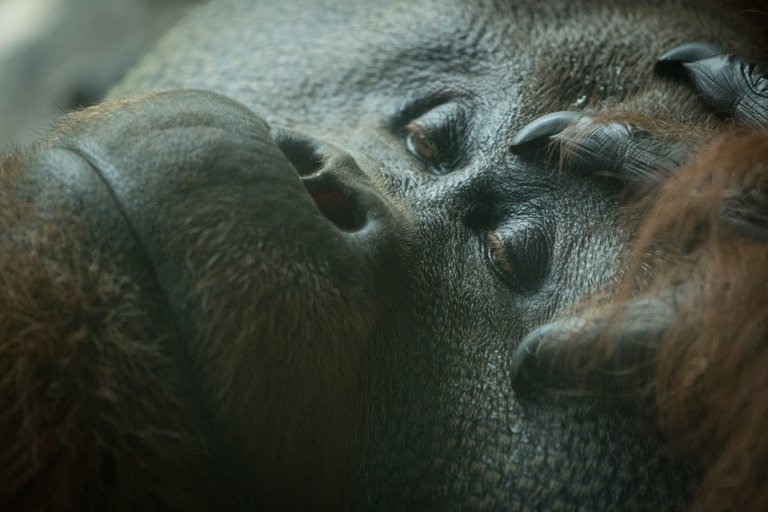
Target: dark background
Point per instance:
(59, 55)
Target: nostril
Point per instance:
(305, 158)
(338, 206)
(321, 168)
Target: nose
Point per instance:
(340, 189)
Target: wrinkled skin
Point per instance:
(354, 351)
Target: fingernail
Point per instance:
(690, 52)
(543, 127)
(672, 61)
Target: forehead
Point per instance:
(299, 58)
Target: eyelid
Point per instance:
(444, 129)
(521, 253)
(414, 129)
(498, 253)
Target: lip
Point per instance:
(293, 208)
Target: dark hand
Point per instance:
(563, 357)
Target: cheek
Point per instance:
(277, 344)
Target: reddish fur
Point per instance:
(709, 372)
(75, 347)
(712, 368)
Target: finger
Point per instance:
(596, 354)
(728, 84)
(614, 150)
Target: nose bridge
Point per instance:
(312, 157)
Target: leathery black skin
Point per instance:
(322, 209)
